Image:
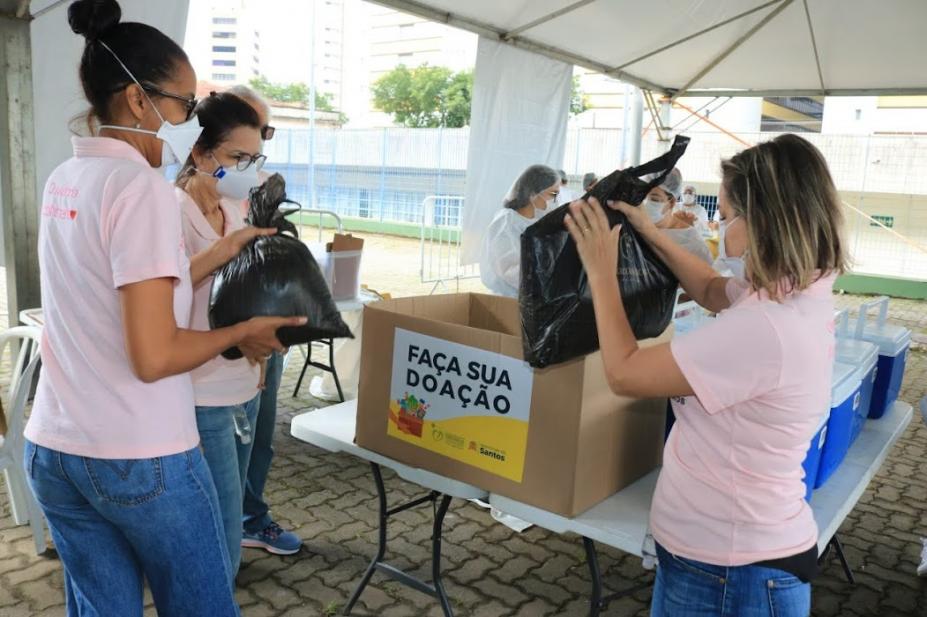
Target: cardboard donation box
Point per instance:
(443, 387)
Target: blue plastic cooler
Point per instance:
(845, 400)
(812, 460)
(865, 357)
(893, 343)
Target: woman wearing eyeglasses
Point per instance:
(220, 171)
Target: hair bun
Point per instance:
(92, 18)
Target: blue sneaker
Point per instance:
(273, 539)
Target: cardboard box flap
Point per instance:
(495, 313)
(474, 312)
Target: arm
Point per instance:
(630, 370)
(204, 263)
(157, 348)
(698, 279)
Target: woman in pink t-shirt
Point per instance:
(111, 451)
(735, 536)
(221, 170)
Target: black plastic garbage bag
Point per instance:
(558, 321)
(274, 276)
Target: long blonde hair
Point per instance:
(787, 197)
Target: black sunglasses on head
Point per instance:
(267, 132)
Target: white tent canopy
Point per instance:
(722, 47)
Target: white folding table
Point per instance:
(332, 429)
(621, 521)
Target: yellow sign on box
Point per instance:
(461, 402)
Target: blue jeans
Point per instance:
(256, 511)
(227, 459)
(115, 521)
(688, 588)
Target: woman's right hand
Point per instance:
(231, 244)
(260, 335)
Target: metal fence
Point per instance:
(389, 176)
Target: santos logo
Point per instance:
(493, 454)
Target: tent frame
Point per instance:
(517, 38)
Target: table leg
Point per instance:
(598, 601)
(381, 541)
(436, 588)
(334, 371)
(838, 549)
(592, 559)
(436, 554)
(302, 373)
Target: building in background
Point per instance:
(234, 41)
(223, 41)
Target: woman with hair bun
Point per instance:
(112, 445)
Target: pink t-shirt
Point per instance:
(730, 492)
(219, 382)
(108, 220)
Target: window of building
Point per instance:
(224, 48)
(225, 21)
(223, 76)
(224, 35)
(223, 63)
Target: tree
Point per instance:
(425, 96)
(433, 96)
(294, 93)
(579, 102)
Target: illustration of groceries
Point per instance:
(408, 414)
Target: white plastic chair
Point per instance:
(22, 503)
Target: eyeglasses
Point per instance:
(189, 102)
(244, 161)
(267, 132)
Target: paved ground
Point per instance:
(492, 571)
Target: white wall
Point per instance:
(849, 115)
(56, 53)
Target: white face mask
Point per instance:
(722, 230)
(178, 139)
(654, 209)
(548, 203)
(236, 184)
(688, 199)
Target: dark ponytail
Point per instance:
(219, 114)
(146, 51)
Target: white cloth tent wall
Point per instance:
(56, 54)
(521, 102)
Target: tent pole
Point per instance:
(695, 35)
(814, 45)
(543, 20)
(17, 165)
(636, 127)
(727, 52)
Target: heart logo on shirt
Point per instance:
(72, 214)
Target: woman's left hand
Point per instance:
(596, 241)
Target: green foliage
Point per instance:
(425, 96)
(433, 96)
(294, 93)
